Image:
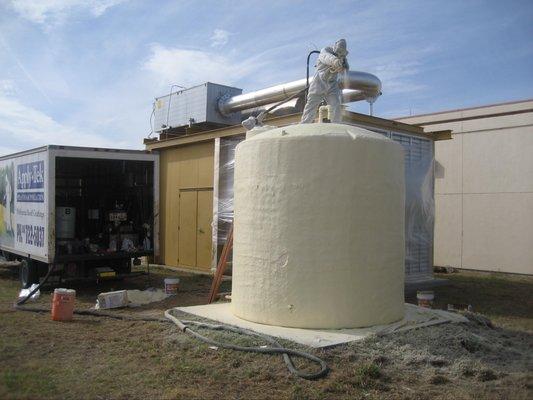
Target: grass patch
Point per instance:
(26, 382)
(438, 379)
(366, 374)
(505, 299)
(487, 375)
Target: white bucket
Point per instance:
(425, 298)
(171, 285)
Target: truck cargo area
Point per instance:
(104, 214)
(78, 212)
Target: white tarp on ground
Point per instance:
(129, 298)
(415, 317)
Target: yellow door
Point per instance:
(187, 228)
(204, 231)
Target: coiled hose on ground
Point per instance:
(276, 347)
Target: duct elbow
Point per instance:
(359, 86)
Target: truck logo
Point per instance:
(30, 175)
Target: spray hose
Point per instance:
(275, 348)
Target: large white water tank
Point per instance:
(319, 228)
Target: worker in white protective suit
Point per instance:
(325, 84)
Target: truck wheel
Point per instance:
(28, 273)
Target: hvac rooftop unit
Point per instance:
(195, 106)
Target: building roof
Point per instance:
(64, 147)
(463, 114)
(348, 116)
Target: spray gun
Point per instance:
(342, 68)
(251, 122)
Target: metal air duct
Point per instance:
(356, 86)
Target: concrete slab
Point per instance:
(415, 317)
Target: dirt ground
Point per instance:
(101, 358)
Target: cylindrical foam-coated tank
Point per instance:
(319, 228)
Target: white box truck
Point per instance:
(86, 212)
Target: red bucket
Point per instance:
(63, 304)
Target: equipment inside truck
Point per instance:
(104, 214)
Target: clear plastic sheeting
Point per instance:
(223, 192)
(225, 189)
(419, 204)
(419, 199)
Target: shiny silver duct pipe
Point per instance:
(356, 86)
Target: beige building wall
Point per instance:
(484, 187)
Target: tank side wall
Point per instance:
(319, 231)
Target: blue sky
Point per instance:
(85, 72)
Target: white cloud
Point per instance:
(7, 87)
(5, 150)
(25, 127)
(98, 8)
(220, 37)
(190, 67)
(397, 77)
(400, 69)
(23, 69)
(44, 11)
